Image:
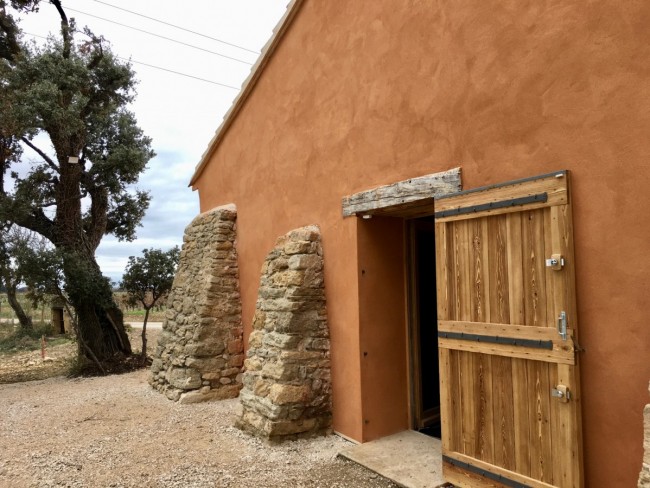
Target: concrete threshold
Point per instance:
(409, 459)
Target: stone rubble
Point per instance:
(200, 352)
(644, 476)
(287, 390)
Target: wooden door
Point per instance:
(509, 380)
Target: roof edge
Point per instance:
(249, 85)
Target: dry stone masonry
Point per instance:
(644, 476)
(287, 389)
(200, 351)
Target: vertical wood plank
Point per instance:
(468, 403)
(463, 250)
(446, 404)
(443, 288)
(484, 398)
(498, 270)
(567, 426)
(521, 428)
(455, 419)
(515, 268)
(504, 421)
(539, 421)
(534, 268)
(479, 303)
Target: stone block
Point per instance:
(184, 378)
(235, 346)
(289, 427)
(280, 371)
(285, 394)
(206, 365)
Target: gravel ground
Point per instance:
(116, 431)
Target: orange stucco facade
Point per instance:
(361, 94)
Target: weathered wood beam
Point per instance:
(402, 193)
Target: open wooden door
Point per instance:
(509, 380)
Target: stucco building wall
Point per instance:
(361, 94)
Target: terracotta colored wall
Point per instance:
(366, 93)
(382, 325)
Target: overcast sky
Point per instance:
(179, 113)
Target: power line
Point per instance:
(159, 68)
(158, 35)
(176, 27)
(177, 73)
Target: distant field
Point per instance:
(43, 313)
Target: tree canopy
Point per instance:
(67, 101)
(149, 278)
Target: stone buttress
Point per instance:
(200, 351)
(287, 389)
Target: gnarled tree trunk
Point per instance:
(24, 319)
(100, 321)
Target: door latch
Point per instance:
(561, 325)
(562, 393)
(555, 262)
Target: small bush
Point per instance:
(22, 340)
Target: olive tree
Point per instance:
(147, 279)
(79, 187)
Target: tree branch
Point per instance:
(45, 157)
(65, 28)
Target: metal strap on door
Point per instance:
(511, 341)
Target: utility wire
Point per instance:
(158, 35)
(158, 67)
(177, 27)
(177, 73)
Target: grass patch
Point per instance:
(14, 340)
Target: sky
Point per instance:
(179, 113)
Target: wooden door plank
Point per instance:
(468, 403)
(534, 268)
(504, 422)
(483, 396)
(515, 269)
(446, 404)
(539, 420)
(463, 253)
(480, 303)
(520, 396)
(443, 261)
(455, 420)
(498, 270)
(519, 331)
(504, 350)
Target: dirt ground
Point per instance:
(116, 431)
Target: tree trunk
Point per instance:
(144, 335)
(24, 319)
(100, 321)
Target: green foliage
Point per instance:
(76, 93)
(146, 279)
(30, 340)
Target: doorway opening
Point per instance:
(424, 327)
(58, 324)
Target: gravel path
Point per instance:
(116, 431)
